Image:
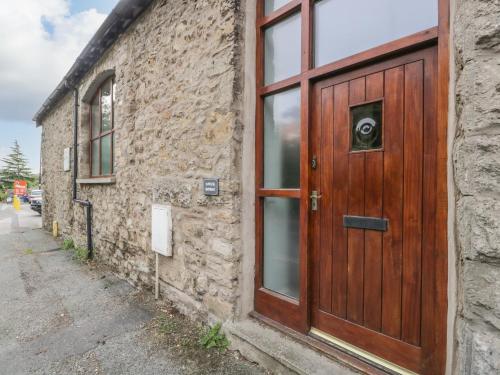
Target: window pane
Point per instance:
(366, 126)
(281, 246)
(282, 50)
(272, 5)
(282, 140)
(95, 158)
(106, 145)
(106, 106)
(345, 27)
(95, 117)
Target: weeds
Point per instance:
(28, 251)
(166, 326)
(81, 254)
(215, 338)
(68, 244)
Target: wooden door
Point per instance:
(374, 229)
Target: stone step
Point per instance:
(281, 353)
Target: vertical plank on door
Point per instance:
(393, 198)
(412, 213)
(373, 207)
(340, 198)
(356, 238)
(326, 201)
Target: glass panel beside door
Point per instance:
(282, 50)
(272, 5)
(281, 246)
(282, 140)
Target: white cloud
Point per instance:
(33, 60)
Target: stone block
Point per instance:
(481, 288)
(478, 223)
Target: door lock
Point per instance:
(314, 200)
(314, 162)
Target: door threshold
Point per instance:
(360, 353)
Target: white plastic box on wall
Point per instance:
(161, 229)
(67, 159)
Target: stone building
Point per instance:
(356, 145)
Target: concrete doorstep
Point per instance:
(279, 352)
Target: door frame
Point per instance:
(297, 314)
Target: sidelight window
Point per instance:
(282, 140)
(282, 50)
(102, 131)
(281, 246)
(272, 5)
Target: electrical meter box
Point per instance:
(161, 229)
(67, 159)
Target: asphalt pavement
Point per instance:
(61, 316)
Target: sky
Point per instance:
(39, 41)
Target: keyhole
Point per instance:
(314, 162)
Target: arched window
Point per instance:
(102, 130)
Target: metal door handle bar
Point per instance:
(364, 222)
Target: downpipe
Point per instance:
(84, 203)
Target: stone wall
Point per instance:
(57, 134)
(477, 177)
(177, 120)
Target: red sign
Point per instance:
(20, 187)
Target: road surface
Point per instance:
(61, 316)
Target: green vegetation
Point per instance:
(215, 338)
(81, 254)
(28, 251)
(68, 244)
(3, 195)
(166, 325)
(15, 167)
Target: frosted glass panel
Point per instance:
(96, 123)
(272, 5)
(106, 155)
(366, 133)
(281, 246)
(282, 50)
(282, 140)
(95, 158)
(345, 27)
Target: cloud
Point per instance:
(39, 41)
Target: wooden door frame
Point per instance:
(296, 314)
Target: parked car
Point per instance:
(34, 194)
(36, 202)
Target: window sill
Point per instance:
(97, 181)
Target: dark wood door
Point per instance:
(375, 140)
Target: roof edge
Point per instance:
(115, 24)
